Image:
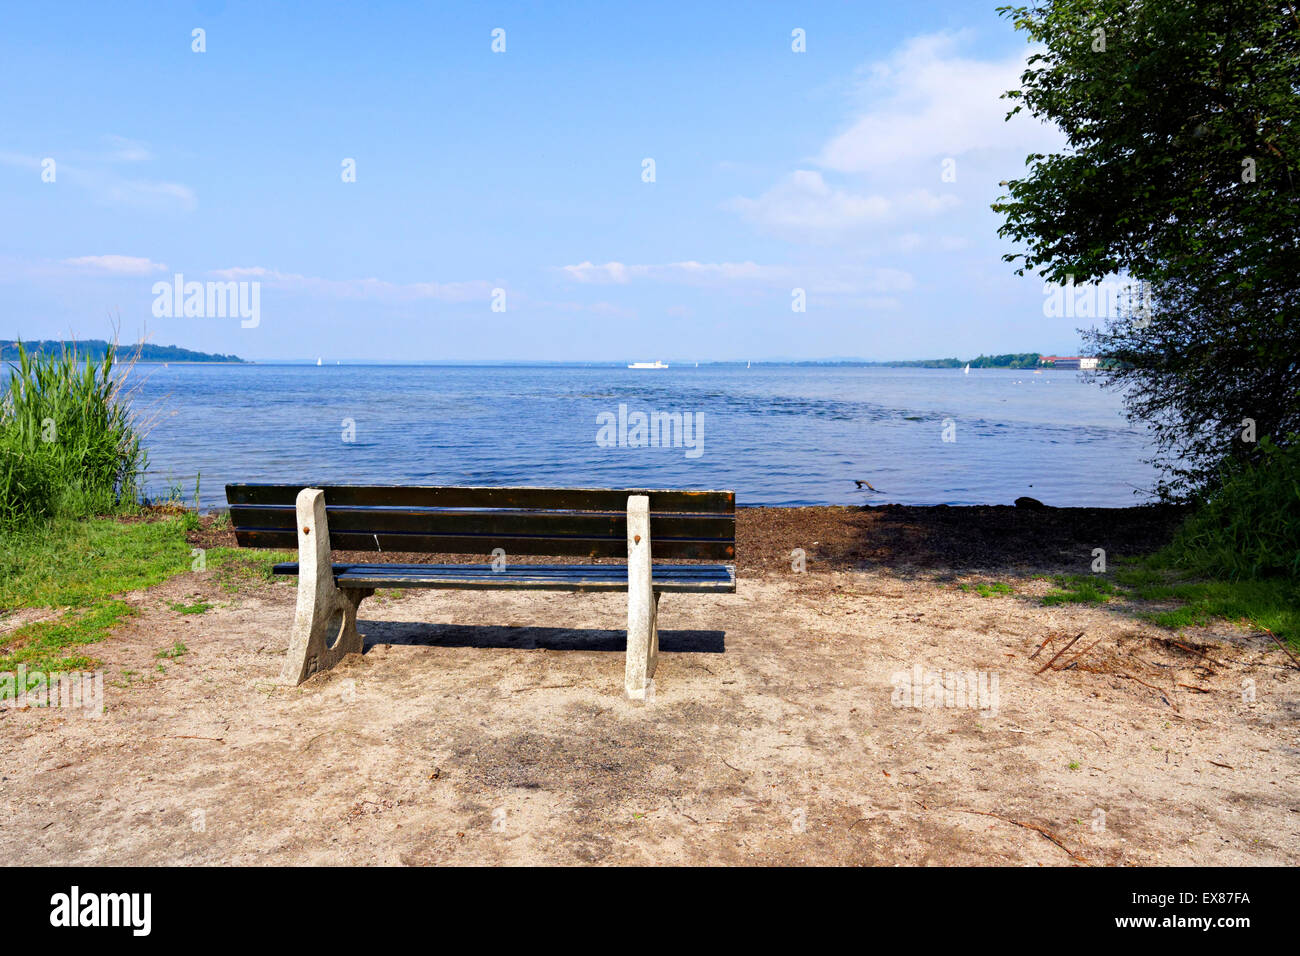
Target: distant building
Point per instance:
(1083, 362)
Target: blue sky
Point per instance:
(521, 171)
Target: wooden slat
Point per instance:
(687, 578)
(429, 496)
(583, 524)
(592, 547)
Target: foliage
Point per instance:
(96, 349)
(1182, 171)
(1250, 525)
(69, 446)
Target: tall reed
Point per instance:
(69, 446)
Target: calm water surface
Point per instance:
(778, 436)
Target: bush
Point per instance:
(1249, 526)
(68, 444)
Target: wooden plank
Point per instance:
(591, 547)
(431, 496)
(553, 570)
(583, 524)
(688, 578)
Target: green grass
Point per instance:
(57, 645)
(198, 607)
(991, 589)
(236, 567)
(81, 568)
(75, 563)
(172, 653)
(1270, 603)
(1079, 589)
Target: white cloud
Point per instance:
(689, 272)
(804, 204)
(125, 150)
(924, 104)
(361, 288)
(96, 173)
(117, 265)
(823, 279)
(928, 102)
(137, 192)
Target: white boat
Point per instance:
(318, 361)
(655, 364)
(967, 370)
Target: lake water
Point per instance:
(776, 435)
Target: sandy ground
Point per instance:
(485, 728)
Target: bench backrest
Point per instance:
(589, 522)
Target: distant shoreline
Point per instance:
(688, 366)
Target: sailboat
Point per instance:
(966, 371)
(318, 361)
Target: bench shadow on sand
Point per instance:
(531, 638)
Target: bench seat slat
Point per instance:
(589, 547)
(466, 522)
(575, 499)
(553, 577)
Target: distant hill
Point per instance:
(1010, 360)
(95, 349)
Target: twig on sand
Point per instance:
(1286, 650)
(1224, 765)
(220, 740)
(1091, 731)
(1046, 641)
(737, 769)
(1179, 644)
(1083, 653)
(1028, 826)
(327, 733)
(1059, 653)
(1152, 686)
(520, 690)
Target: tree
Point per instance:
(1181, 172)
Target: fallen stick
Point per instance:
(1152, 686)
(1047, 640)
(1286, 650)
(1028, 826)
(1084, 653)
(1059, 653)
(1196, 651)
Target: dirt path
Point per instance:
(490, 728)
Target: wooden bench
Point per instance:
(585, 522)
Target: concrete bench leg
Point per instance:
(325, 622)
(642, 602)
